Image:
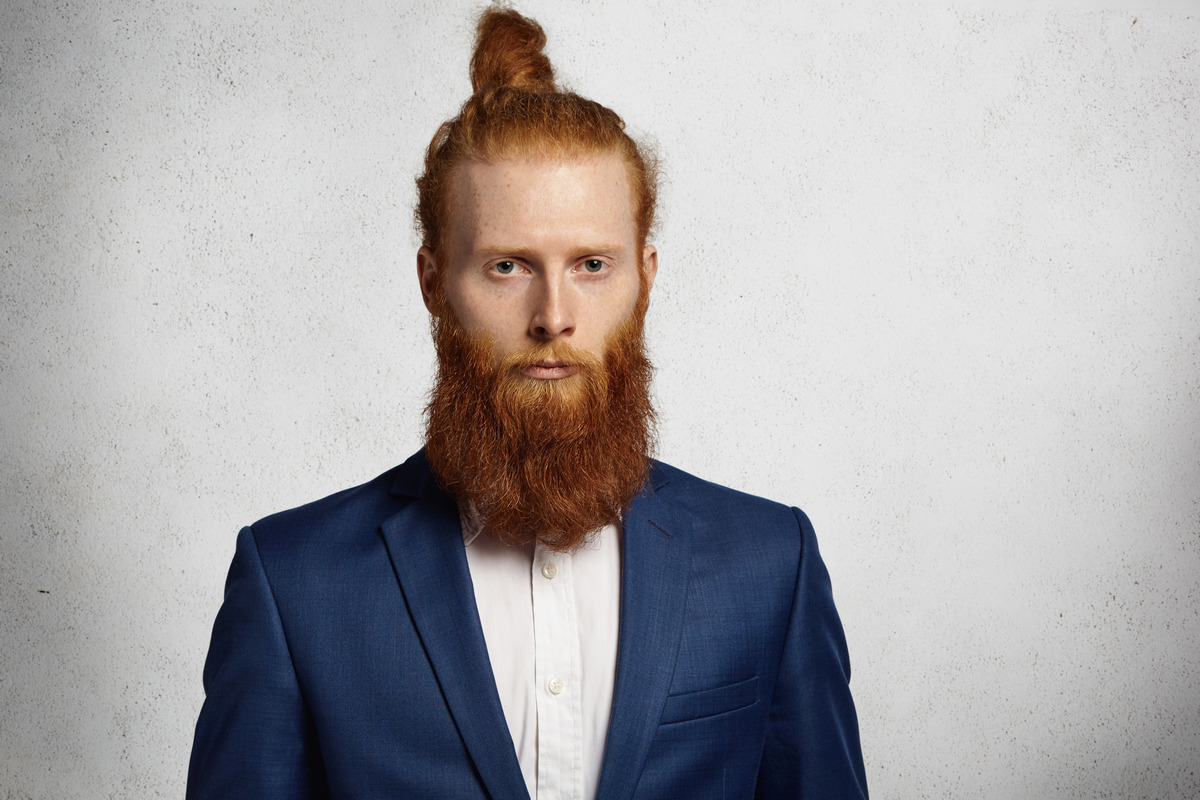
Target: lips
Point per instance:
(549, 369)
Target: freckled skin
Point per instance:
(540, 249)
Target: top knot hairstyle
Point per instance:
(508, 53)
(517, 111)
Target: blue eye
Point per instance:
(593, 265)
(505, 267)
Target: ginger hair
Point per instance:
(517, 111)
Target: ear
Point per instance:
(650, 265)
(427, 275)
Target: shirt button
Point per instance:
(549, 570)
(555, 685)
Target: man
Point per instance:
(530, 606)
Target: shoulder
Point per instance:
(724, 513)
(699, 495)
(336, 520)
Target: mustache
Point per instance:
(557, 353)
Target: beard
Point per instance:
(541, 461)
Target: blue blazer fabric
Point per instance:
(348, 660)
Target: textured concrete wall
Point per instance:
(931, 272)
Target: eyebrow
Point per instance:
(491, 251)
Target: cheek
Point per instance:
(485, 313)
(607, 314)
(471, 304)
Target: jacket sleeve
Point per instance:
(812, 748)
(255, 737)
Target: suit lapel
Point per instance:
(655, 567)
(424, 542)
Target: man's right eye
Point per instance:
(505, 267)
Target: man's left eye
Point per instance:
(593, 265)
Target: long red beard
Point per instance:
(547, 461)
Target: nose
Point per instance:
(553, 314)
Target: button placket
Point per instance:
(559, 704)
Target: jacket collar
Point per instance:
(425, 543)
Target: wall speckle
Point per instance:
(929, 271)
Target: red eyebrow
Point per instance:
(523, 252)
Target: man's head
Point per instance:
(534, 210)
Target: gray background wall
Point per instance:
(930, 271)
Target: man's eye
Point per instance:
(505, 267)
(593, 265)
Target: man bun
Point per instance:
(518, 111)
(508, 53)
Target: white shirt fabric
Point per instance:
(551, 621)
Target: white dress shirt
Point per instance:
(550, 621)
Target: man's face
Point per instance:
(538, 302)
(540, 251)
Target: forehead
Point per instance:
(532, 202)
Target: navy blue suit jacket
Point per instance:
(348, 660)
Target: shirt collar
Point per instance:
(472, 526)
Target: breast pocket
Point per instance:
(710, 702)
